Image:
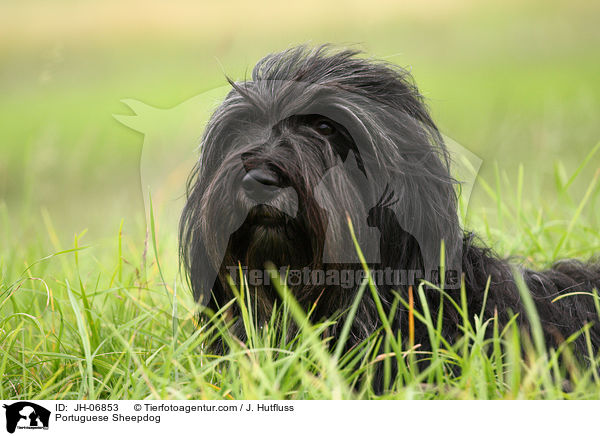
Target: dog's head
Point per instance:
(314, 138)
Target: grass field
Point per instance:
(85, 311)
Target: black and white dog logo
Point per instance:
(26, 415)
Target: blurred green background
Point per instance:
(512, 81)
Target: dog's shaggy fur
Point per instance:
(271, 143)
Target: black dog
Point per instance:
(318, 136)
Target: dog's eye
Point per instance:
(324, 127)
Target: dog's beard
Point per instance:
(287, 231)
(270, 237)
(268, 245)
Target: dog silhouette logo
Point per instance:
(26, 415)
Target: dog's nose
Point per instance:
(260, 184)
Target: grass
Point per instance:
(73, 325)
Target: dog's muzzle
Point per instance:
(260, 185)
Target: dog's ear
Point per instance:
(202, 276)
(427, 211)
(194, 258)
